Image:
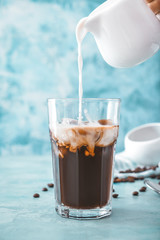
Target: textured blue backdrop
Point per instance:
(38, 60)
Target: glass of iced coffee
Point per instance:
(83, 155)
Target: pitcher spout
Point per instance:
(81, 29)
(92, 24)
(87, 24)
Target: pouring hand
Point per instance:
(154, 5)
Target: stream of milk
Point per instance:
(80, 34)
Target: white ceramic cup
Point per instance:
(142, 144)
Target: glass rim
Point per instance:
(77, 99)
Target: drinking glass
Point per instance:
(83, 155)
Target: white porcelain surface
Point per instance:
(126, 31)
(142, 144)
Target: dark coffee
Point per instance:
(85, 181)
(83, 165)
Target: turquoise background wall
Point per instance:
(38, 60)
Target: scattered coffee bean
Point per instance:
(113, 190)
(115, 195)
(142, 189)
(139, 169)
(36, 195)
(159, 183)
(131, 179)
(51, 185)
(128, 179)
(136, 170)
(135, 193)
(128, 171)
(44, 189)
(116, 180)
(124, 180)
(152, 176)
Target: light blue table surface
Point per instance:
(23, 218)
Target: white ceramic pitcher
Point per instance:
(127, 32)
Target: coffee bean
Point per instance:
(135, 193)
(113, 190)
(51, 185)
(128, 171)
(138, 169)
(115, 195)
(124, 180)
(152, 176)
(36, 195)
(116, 180)
(130, 179)
(158, 177)
(159, 183)
(44, 189)
(142, 189)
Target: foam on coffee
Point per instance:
(91, 135)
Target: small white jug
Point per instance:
(142, 144)
(127, 32)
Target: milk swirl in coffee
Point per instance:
(90, 135)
